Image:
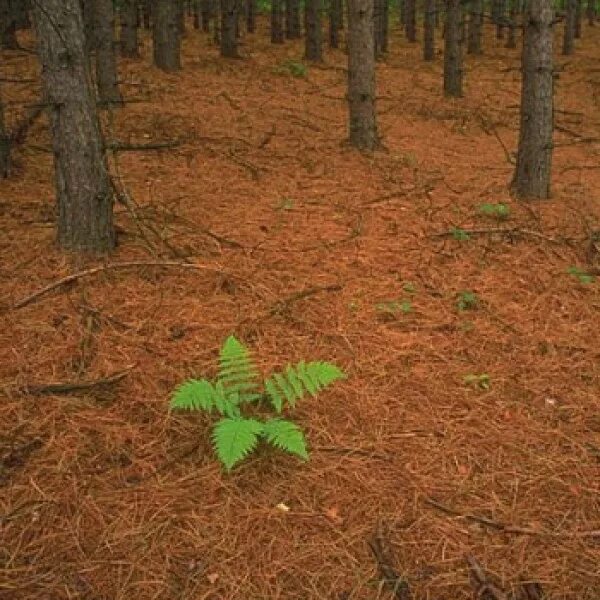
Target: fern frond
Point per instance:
(194, 394)
(286, 436)
(237, 372)
(234, 439)
(295, 381)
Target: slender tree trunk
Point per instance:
(129, 29)
(8, 33)
(196, 13)
(314, 35)
(180, 11)
(207, 14)
(534, 157)
(511, 40)
(402, 6)
(166, 36)
(380, 22)
(335, 16)
(277, 33)
(475, 27)
(250, 8)
(500, 16)
(410, 19)
(452, 50)
(578, 19)
(292, 20)
(21, 13)
(147, 13)
(591, 12)
(429, 30)
(85, 201)
(4, 145)
(361, 75)
(229, 47)
(569, 31)
(106, 60)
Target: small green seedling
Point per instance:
(237, 387)
(498, 211)
(583, 277)
(293, 68)
(393, 307)
(467, 300)
(481, 381)
(459, 234)
(409, 287)
(285, 204)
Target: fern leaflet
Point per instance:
(286, 436)
(237, 372)
(235, 438)
(194, 394)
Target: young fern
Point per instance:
(236, 436)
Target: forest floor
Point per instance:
(106, 495)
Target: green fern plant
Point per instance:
(237, 385)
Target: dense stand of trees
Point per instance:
(70, 33)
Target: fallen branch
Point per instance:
(282, 306)
(390, 577)
(484, 588)
(122, 147)
(75, 386)
(110, 267)
(502, 230)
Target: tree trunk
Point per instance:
(147, 13)
(569, 31)
(21, 14)
(166, 36)
(106, 61)
(578, 19)
(429, 30)
(335, 17)
(85, 200)
(591, 12)
(361, 75)
(402, 6)
(511, 40)
(380, 22)
(228, 29)
(180, 11)
(452, 50)
(292, 20)
(277, 33)
(410, 20)
(500, 19)
(129, 29)
(197, 13)
(534, 157)
(8, 34)
(207, 14)
(4, 145)
(313, 37)
(475, 27)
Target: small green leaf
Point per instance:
(194, 394)
(460, 234)
(286, 436)
(274, 395)
(286, 388)
(235, 438)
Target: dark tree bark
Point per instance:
(8, 33)
(591, 12)
(206, 9)
(569, 31)
(335, 22)
(197, 13)
(452, 51)
(277, 33)
(511, 40)
(4, 145)
(380, 22)
(106, 60)
(534, 157)
(21, 13)
(292, 20)
(402, 7)
(166, 36)
(314, 35)
(129, 29)
(475, 27)
(147, 13)
(410, 20)
(361, 75)
(500, 19)
(429, 30)
(85, 201)
(229, 47)
(180, 11)
(578, 19)
(88, 8)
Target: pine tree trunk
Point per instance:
(578, 19)
(314, 35)
(4, 145)
(84, 196)
(197, 14)
(534, 157)
(207, 14)
(166, 36)
(147, 13)
(180, 11)
(410, 18)
(106, 60)
(129, 29)
(402, 6)
(8, 33)
(335, 8)
(591, 12)
(361, 75)
(452, 50)
(500, 16)
(380, 21)
(277, 33)
(511, 40)
(429, 30)
(569, 30)
(228, 29)
(292, 20)
(21, 14)
(475, 27)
